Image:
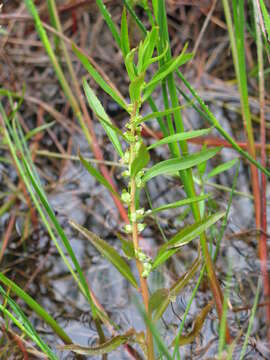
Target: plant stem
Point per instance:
(135, 239)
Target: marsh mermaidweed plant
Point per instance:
(136, 158)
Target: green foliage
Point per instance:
(108, 252)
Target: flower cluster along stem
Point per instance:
(134, 223)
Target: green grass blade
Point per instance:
(22, 322)
(38, 129)
(266, 18)
(214, 122)
(251, 321)
(110, 23)
(39, 310)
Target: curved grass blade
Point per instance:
(180, 137)
(98, 109)
(108, 252)
(39, 310)
(97, 175)
(177, 164)
(22, 322)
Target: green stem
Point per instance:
(135, 239)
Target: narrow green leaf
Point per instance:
(221, 168)
(39, 310)
(97, 175)
(161, 298)
(177, 204)
(18, 317)
(180, 137)
(108, 252)
(140, 161)
(104, 348)
(99, 79)
(37, 130)
(148, 46)
(98, 109)
(157, 299)
(129, 63)
(127, 246)
(110, 23)
(124, 34)
(198, 324)
(177, 164)
(135, 89)
(184, 236)
(157, 114)
(168, 68)
(266, 18)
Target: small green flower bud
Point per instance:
(128, 228)
(141, 227)
(147, 267)
(126, 198)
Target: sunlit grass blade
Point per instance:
(266, 18)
